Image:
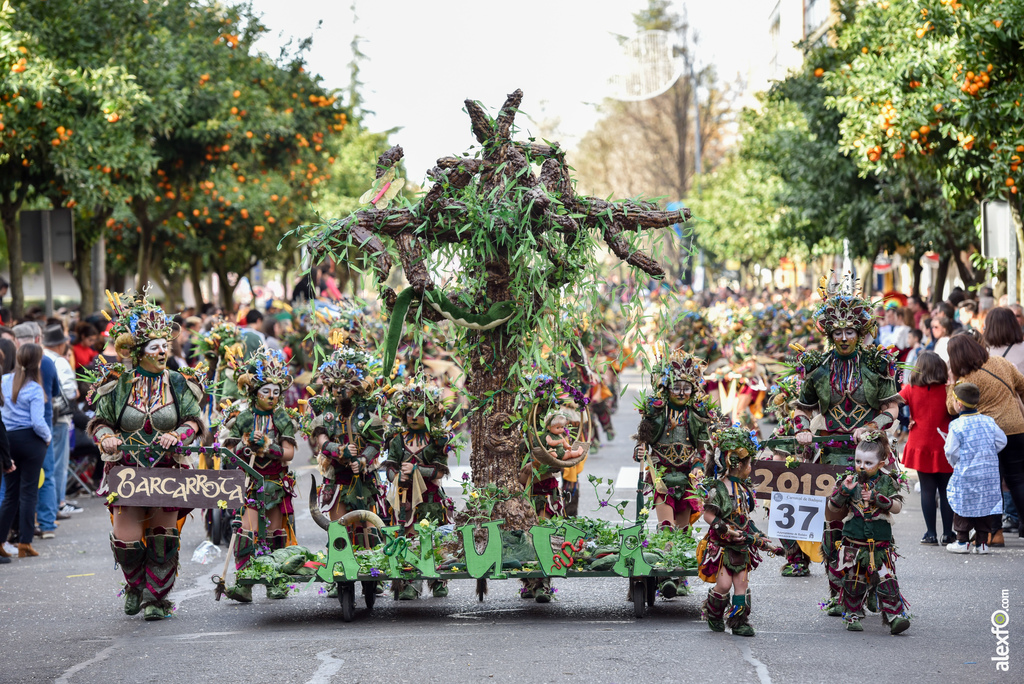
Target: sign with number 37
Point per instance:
(796, 516)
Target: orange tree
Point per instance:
(934, 94)
(55, 136)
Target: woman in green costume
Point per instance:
(262, 433)
(156, 409)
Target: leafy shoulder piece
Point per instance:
(197, 378)
(103, 380)
(882, 360)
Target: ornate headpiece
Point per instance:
(348, 367)
(136, 321)
(732, 445)
(265, 367)
(418, 395)
(223, 338)
(843, 307)
(677, 366)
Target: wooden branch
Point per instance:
(637, 215)
(618, 244)
(483, 128)
(470, 164)
(373, 247)
(410, 251)
(535, 149)
(507, 116)
(389, 159)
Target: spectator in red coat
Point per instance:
(926, 398)
(86, 336)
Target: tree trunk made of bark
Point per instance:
(9, 216)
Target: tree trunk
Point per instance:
(940, 279)
(227, 291)
(195, 275)
(916, 268)
(9, 216)
(495, 447)
(83, 274)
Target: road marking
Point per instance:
(454, 478)
(627, 477)
(75, 669)
(88, 574)
(329, 666)
(759, 667)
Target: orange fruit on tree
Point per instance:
(1009, 182)
(819, 72)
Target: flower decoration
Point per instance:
(843, 307)
(265, 367)
(136, 321)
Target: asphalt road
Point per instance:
(62, 621)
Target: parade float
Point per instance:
(516, 247)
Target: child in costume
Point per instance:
(729, 550)
(852, 386)
(147, 406)
(545, 457)
(672, 441)
(261, 432)
(865, 503)
(417, 462)
(347, 436)
(972, 448)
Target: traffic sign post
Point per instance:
(999, 241)
(47, 236)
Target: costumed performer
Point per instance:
(865, 503)
(851, 385)
(729, 550)
(260, 431)
(158, 410)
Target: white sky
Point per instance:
(425, 57)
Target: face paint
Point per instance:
(866, 462)
(845, 341)
(415, 420)
(680, 392)
(267, 397)
(154, 356)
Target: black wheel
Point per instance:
(215, 526)
(347, 596)
(639, 598)
(370, 594)
(652, 590)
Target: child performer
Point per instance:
(729, 551)
(972, 448)
(865, 502)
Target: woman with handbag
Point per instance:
(1001, 386)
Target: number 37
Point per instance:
(788, 520)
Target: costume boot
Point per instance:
(131, 556)
(279, 589)
(438, 588)
(894, 609)
(713, 610)
(544, 592)
(851, 600)
(571, 498)
(528, 590)
(835, 585)
(798, 563)
(162, 545)
(739, 617)
(406, 590)
(245, 548)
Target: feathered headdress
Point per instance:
(265, 367)
(843, 307)
(136, 321)
(348, 367)
(419, 396)
(676, 366)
